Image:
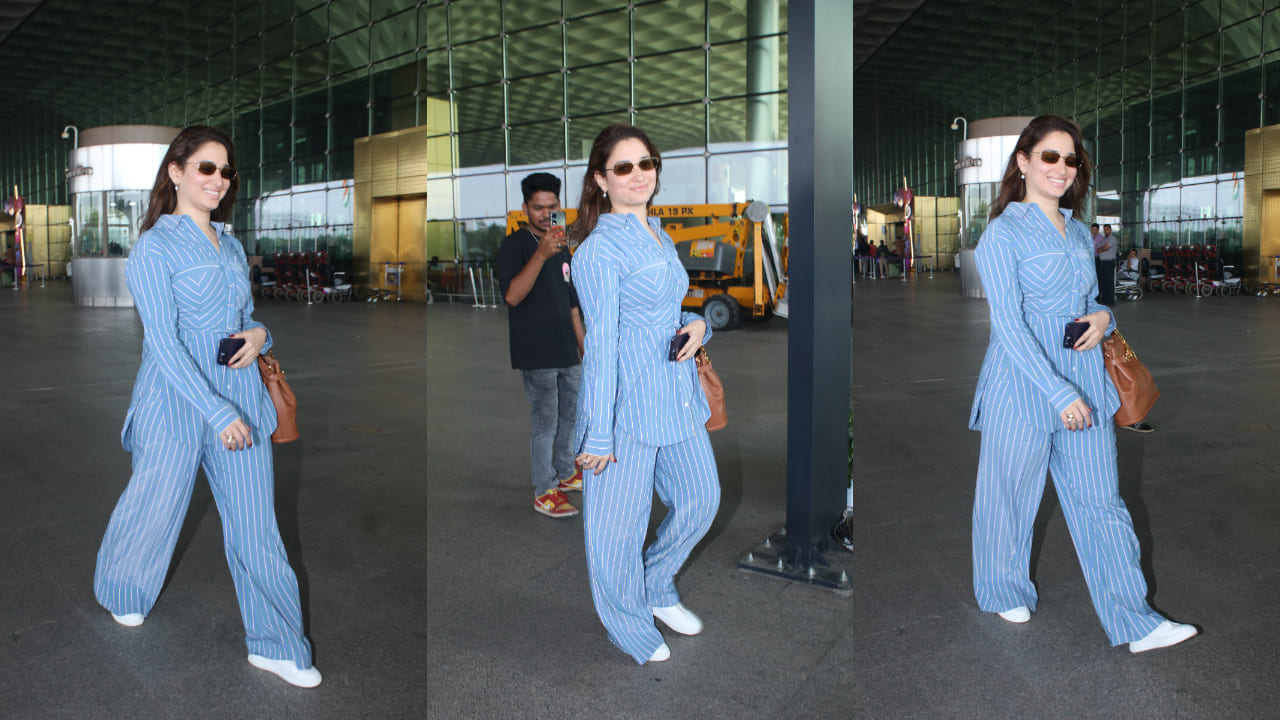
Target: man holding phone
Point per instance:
(546, 333)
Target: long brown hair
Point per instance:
(1013, 188)
(164, 196)
(593, 201)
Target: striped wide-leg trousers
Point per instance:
(138, 546)
(1011, 476)
(627, 579)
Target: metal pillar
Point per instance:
(820, 89)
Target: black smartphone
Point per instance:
(1073, 333)
(677, 342)
(227, 349)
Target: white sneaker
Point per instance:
(128, 620)
(662, 653)
(1016, 615)
(1166, 633)
(678, 618)
(287, 671)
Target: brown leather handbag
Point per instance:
(713, 389)
(281, 396)
(1136, 387)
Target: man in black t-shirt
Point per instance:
(546, 332)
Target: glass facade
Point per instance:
(526, 86)
(294, 82)
(1163, 91)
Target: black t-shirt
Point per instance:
(541, 326)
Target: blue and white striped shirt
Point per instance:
(190, 295)
(1036, 282)
(630, 288)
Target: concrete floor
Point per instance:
(511, 631)
(350, 500)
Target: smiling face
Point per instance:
(197, 194)
(633, 190)
(1046, 183)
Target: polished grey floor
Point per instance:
(350, 501)
(511, 632)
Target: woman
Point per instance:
(190, 283)
(641, 417)
(1041, 405)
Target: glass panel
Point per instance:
(1166, 123)
(528, 13)
(536, 98)
(1166, 35)
(731, 121)
(338, 203)
(311, 29)
(1241, 107)
(726, 76)
(535, 51)
(1241, 42)
(479, 239)
(583, 131)
(673, 78)
(1202, 56)
(679, 130)
(349, 52)
(474, 19)
(537, 143)
(277, 140)
(599, 89)
(440, 201)
(477, 63)
(575, 8)
(479, 107)
(482, 196)
(89, 229)
(437, 73)
(598, 38)
(478, 149)
(394, 35)
(125, 210)
(683, 181)
(669, 26)
(437, 27)
(748, 176)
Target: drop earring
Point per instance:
(1022, 176)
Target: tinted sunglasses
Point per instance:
(204, 167)
(1051, 157)
(625, 167)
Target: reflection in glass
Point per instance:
(741, 177)
(481, 196)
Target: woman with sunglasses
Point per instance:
(1045, 402)
(192, 409)
(641, 415)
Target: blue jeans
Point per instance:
(553, 406)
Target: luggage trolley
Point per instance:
(391, 273)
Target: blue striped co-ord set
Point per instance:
(650, 413)
(190, 295)
(1037, 280)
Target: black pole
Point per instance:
(820, 138)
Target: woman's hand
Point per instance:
(1098, 323)
(236, 436)
(254, 339)
(1077, 416)
(696, 329)
(596, 462)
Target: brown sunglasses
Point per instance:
(204, 167)
(625, 167)
(1051, 157)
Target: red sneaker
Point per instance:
(573, 483)
(553, 503)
